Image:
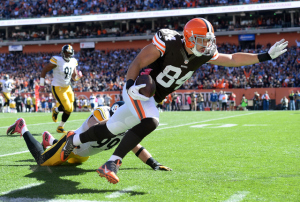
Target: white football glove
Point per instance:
(133, 92)
(278, 48)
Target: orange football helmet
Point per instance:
(199, 37)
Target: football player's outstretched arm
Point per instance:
(147, 56)
(146, 157)
(46, 69)
(242, 59)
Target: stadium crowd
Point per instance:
(81, 30)
(50, 8)
(105, 70)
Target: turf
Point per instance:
(215, 156)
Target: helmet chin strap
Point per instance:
(196, 53)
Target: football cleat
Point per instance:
(16, 127)
(60, 129)
(109, 171)
(54, 115)
(68, 148)
(46, 139)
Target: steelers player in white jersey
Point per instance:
(64, 68)
(7, 86)
(51, 157)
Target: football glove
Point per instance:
(161, 167)
(133, 92)
(278, 48)
(78, 75)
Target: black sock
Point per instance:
(35, 148)
(65, 117)
(54, 141)
(127, 144)
(96, 133)
(60, 108)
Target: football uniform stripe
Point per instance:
(205, 21)
(159, 41)
(140, 107)
(216, 55)
(98, 115)
(162, 52)
(132, 101)
(56, 96)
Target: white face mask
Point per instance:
(207, 42)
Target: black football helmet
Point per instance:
(67, 52)
(115, 106)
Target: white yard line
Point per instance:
(239, 196)
(187, 124)
(121, 192)
(6, 199)
(22, 188)
(14, 153)
(45, 123)
(156, 129)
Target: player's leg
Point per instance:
(58, 108)
(6, 99)
(147, 112)
(67, 100)
(35, 148)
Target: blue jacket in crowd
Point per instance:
(214, 97)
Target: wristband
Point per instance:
(152, 163)
(263, 57)
(129, 83)
(42, 81)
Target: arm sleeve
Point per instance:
(53, 60)
(159, 43)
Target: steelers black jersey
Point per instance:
(174, 66)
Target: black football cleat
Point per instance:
(109, 171)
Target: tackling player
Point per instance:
(64, 68)
(171, 59)
(51, 157)
(7, 86)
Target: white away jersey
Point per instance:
(92, 148)
(7, 85)
(62, 73)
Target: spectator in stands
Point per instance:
(221, 95)
(100, 100)
(201, 102)
(224, 101)
(189, 101)
(194, 101)
(107, 100)
(167, 102)
(256, 101)
(266, 100)
(174, 102)
(232, 101)
(214, 99)
(284, 103)
(244, 103)
(297, 98)
(292, 100)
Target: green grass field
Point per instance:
(215, 156)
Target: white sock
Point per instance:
(56, 109)
(51, 140)
(114, 157)
(76, 139)
(62, 124)
(24, 129)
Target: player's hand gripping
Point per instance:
(161, 167)
(278, 48)
(133, 92)
(78, 75)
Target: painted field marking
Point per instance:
(6, 199)
(187, 124)
(255, 125)
(201, 126)
(120, 193)
(162, 128)
(162, 124)
(22, 188)
(239, 196)
(14, 153)
(45, 123)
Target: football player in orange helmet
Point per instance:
(170, 60)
